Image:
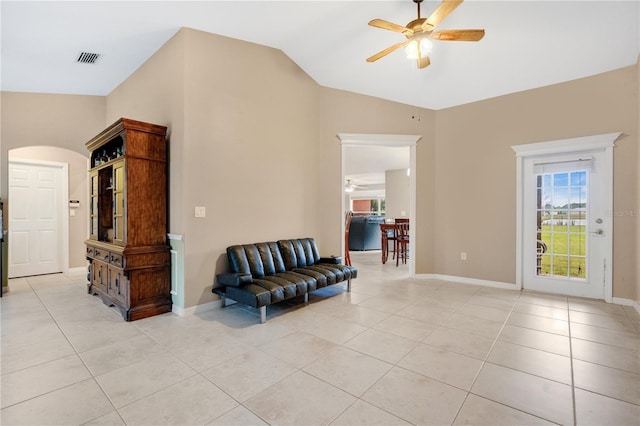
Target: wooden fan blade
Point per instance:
(386, 25)
(457, 35)
(445, 8)
(423, 62)
(386, 51)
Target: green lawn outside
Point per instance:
(567, 247)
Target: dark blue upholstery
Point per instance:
(364, 233)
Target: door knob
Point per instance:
(598, 232)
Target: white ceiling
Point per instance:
(528, 44)
(365, 166)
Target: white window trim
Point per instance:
(604, 142)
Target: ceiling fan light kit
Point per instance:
(416, 49)
(420, 32)
(349, 187)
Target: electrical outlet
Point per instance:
(200, 211)
(463, 255)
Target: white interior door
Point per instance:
(35, 242)
(566, 225)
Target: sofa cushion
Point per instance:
(250, 294)
(319, 277)
(245, 259)
(234, 279)
(299, 253)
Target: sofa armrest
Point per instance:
(333, 260)
(234, 279)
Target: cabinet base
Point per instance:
(141, 310)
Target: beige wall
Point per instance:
(397, 198)
(251, 128)
(243, 144)
(344, 112)
(78, 190)
(253, 139)
(475, 170)
(62, 121)
(155, 93)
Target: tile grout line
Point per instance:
(484, 361)
(573, 384)
(75, 350)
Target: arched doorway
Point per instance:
(64, 191)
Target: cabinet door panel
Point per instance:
(118, 285)
(118, 204)
(93, 207)
(99, 275)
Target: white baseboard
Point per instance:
(627, 302)
(464, 280)
(75, 270)
(497, 284)
(621, 301)
(198, 309)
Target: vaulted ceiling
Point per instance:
(528, 44)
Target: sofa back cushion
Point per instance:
(256, 259)
(299, 253)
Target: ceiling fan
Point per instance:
(349, 187)
(420, 32)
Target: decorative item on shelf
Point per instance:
(104, 158)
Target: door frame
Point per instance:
(64, 205)
(375, 139)
(604, 142)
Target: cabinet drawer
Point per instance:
(101, 255)
(116, 260)
(90, 252)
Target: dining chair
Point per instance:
(402, 241)
(387, 233)
(347, 225)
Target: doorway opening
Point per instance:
(47, 193)
(376, 141)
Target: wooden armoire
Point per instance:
(127, 250)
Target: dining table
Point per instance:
(389, 232)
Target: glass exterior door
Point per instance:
(564, 235)
(561, 224)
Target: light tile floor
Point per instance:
(394, 351)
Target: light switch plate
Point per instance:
(200, 211)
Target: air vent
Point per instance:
(87, 58)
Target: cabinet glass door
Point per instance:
(118, 203)
(93, 232)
